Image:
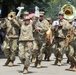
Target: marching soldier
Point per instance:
(26, 43)
(71, 48)
(60, 35)
(40, 38)
(11, 38)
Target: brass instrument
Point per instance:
(49, 36)
(69, 11)
(11, 15)
(68, 36)
(67, 39)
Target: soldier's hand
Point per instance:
(38, 28)
(6, 20)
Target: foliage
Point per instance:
(51, 7)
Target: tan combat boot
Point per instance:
(10, 64)
(74, 68)
(33, 60)
(25, 71)
(59, 63)
(39, 64)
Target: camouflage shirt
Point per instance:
(26, 33)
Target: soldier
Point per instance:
(73, 60)
(40, 38)
(60, 35)
(71, 48)
(11, 37)
(26, 43)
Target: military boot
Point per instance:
(11, 63)
(39, 64)
(33, 60)
(25, 70)
(74, 68)
(59, 63)
(7, 62)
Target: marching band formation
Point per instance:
(33, 35)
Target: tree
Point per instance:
(51, 7)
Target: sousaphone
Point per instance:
(69, 11)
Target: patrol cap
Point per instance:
(48, 19)
(61, 13)
(42, 13)
(25, 13)
(26, 18)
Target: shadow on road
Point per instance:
(28, 72)
(41, 66)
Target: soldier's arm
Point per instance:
(16, 22)
(34, 22)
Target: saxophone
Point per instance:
(49, 36)
(68, 36)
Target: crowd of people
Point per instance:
(33, 36)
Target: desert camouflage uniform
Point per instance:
(40, 40)
(26, 45)
(71, 50)
(11, 38)
(59, 42)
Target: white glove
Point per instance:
(20, 8)
(37, 11)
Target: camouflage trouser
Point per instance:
(59, 49)
(35, 49)
(25, 52)
(9, 48)
(41, 47)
